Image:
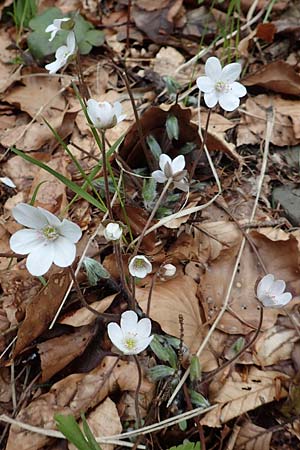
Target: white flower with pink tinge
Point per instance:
(171, 168)
(46, 240)
(270, 292)
(133, 336)
(220, 85)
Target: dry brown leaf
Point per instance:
(21, 171)
(278, 76)
(250, 437)
(83, 316)
(274, 345)
(73, 395)
(41, 310)
(104, 421)
(236, 395)
(167, 60)
(57, 353)
(252, 127)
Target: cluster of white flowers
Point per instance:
(270, 292)
(64, 53)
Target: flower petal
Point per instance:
(144, 328)
(268, 301)
(229, 101)
(211, 99)
(39, 261)
(70, 230)
(264, 285)
(159, 176)
(163, 160)
(71, 43)
(277, 288)
(54, 66)
(25, 241)
(178, 164)
(129, 321)
(213, 68)
(116, 336)
(51, 218)
(205, 84)
(231, 72)
(29, 216)
(238, 89)
(64, 251)
(284, 299)
(143, 344)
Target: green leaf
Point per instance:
(171, 84)
(160, 371)
(84, 47)
(69, 183)
(154, 146)
(165, 354)
(41, 21)
(198, 400)
(68, 426)
(182, 425)
(187, 445)
(195, 369)
(94, 270)
(95, 37)
(149, 190)
(93, 444)
(172, 127)
(187, 148)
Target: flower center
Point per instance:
(50, 233)
(221, 86)
(130, 341)
(139, 264)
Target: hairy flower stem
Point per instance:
(199, 153)
(82, 86)
(80, 295)
(105, 176)
(137, 391)
(157, 204)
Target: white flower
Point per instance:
(55, 27)
(104, 115)
(47, 241)
(132, 337)
(63, 54)
(140, 266)
(113, 231)
(168, 270)
(8, 182)
(219, 84)
(270, 292)
(171, 169)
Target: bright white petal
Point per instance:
(211, 99)
(64, 252)
(205, 84)
(39, 261)
(50, 28)
(60, 54)
(25, 241)
(144, 328)
(231, 72)
(229, 101)
(51, 218)
(115, 334)
(129, 321)
(71, 43)
(268, 301)
(278, 287)
(29, 216)
(213, 68)
(8, 182)
(54, 66)
(284, 299)
(163, 160)
(143, 344)
(70, 230)
(264, 285)
(118, 112)
(178, 164)
(159, 176)
(238, 89)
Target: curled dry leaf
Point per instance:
(274, 345)
(73, 395)
(236, 395)
(278, 76)
(252, 437)
(104, 421)
(83, 316)
(41, 310)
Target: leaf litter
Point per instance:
(70, 368)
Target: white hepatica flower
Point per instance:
(133, 336)
(219, 84)
(63, 54)
(8, 182)
(171, 169)
(270, 292)
(47, 239)
(113, 231)
(55, 26)
(168, 270)
(104, 115)
(139, 266)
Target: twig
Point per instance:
(204, 138)
(269, 130)
(137, 392)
